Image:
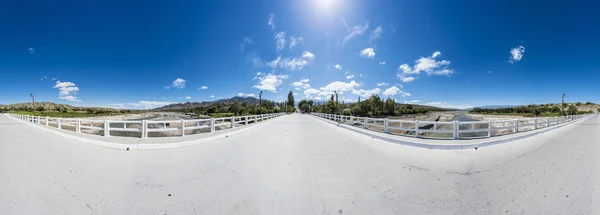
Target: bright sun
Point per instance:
(326, 4)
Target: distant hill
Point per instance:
(491, 107)
(190, 105)
(49, 106)
(44, 105)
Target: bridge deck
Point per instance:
(300, 165)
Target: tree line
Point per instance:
(374, 106)
(534, 110)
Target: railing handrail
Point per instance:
(457, 126)
(182, 127)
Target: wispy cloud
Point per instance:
(367, 53)
(411, 101)
(376, 34)
(31, 50)
(354, 32)
(246, 41)
(295, 41)
(292, 63)
(379, 84)
(272, 21)
(203, 88)
(350, 77)
(382, 63)
(280, 40)
(516, 54)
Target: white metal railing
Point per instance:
(455, 128)
(143, 127)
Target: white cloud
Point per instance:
(298, 88)
(272, 21)
(399, 85)
(516, 54)
(31, 50)
(340, 86)
(212, 96)
(347, 72)
(405, 68)
(405, 79)
(411, 102)
(446, 105)
(301, 84)
(295, 41)
(269, 82)
(367, 53)
(280, 40)
(379, 84)
(256, 61)
(318, 98)
(246, 41)
(360, 75)
(67, 91)
(338, 67)
(392, 91)
(428, 65)
(311, 91)
(295, 94)
(203, 88)
(294, 63)
(490, 72)
(178, 83)
(355, 31)
(382, 63)
(366, 93)
(246, 95)
(348, 100)
(188, 97)
(350, 77)
(376, 33)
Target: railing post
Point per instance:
(107, 128)
(535, 123)
(78, 126)
(417, 128)
(144, 128)
(365, 122)
(46, 121)
(489, 128)
(59, 122)
(386, 124)
(233, 122)
(455, 128)
(516, 125)
(212, 125)
(182, 123)
(246, 118)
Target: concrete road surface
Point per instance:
(300, 165)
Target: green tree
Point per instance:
(290, 101)
(390, 107)
(572, 110)
(305, 107)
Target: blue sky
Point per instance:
(144, 54)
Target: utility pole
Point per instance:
(260, 102)
(336, 102)
(562, 106)
(32, 100)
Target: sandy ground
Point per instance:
(301, 165)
